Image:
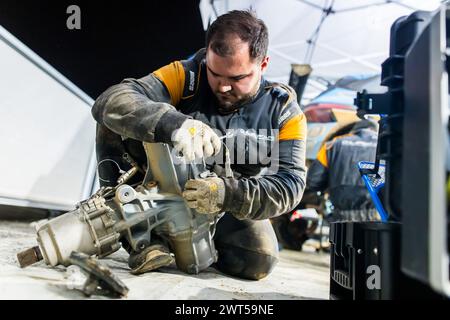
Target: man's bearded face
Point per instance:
(234, 79)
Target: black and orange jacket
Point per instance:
(151, 108)
(336, 168)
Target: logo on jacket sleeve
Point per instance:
(284, 117)
(191, 80)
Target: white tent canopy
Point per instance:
(337, 37)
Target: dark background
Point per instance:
(117, 39)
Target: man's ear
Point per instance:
(264, 64)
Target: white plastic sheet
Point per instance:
(47, 133)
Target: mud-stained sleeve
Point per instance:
(271, 195)
(140, 109)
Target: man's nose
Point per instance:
(224, 87)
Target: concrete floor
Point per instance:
(298, 275)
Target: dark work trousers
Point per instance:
(247, 248)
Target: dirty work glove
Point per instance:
(194, 139)
(205, 195)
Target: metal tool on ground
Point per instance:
(100, 280)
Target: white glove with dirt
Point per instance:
(194, 139)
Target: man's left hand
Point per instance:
(205, 195)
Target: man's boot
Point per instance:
(149, 259)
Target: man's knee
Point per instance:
(247, 249)
(246, 264)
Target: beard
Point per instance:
(230, 102)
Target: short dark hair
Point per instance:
(243, 24)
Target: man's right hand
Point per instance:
(194, 139)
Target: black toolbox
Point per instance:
(365, 261)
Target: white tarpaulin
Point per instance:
(47, 133)
(337, 37)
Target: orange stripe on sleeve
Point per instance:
(322, 156)
(294, 129)
(173, 77)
